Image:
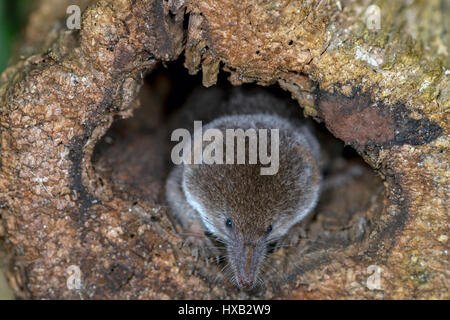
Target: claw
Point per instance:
(201, 247)
(293, 237)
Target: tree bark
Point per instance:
(384, 91)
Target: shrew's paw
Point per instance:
(201, 246)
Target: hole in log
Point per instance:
(133, 158)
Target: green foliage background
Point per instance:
(13, 15)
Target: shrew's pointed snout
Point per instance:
(247, 264)
(246, 277)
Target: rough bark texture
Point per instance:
(385, 92)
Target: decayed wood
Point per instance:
(385, 92)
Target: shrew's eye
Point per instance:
(229, 223)
(269, 229)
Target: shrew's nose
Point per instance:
(246, 275)
(245, 282)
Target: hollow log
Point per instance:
(385, 91)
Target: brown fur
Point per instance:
(213, 194)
